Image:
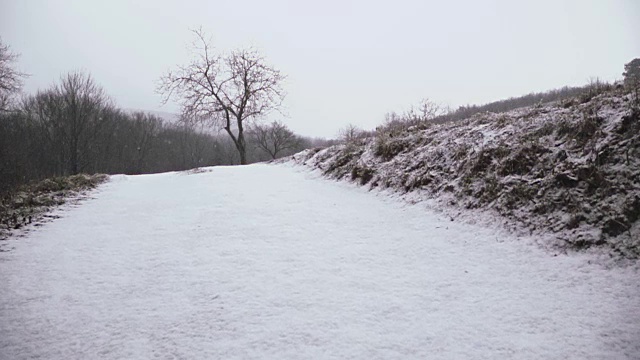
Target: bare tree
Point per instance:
(145, 128)
(274, 138)
(224, 90)
(10, 78)
(44, 112)
(72, 116)
(350, 133)
(426, 110)
(84, 103)
(429, 110)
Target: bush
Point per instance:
(387, 148)
(363, 173)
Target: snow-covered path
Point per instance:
(271, 262)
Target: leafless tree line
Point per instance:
(592, 88)
(74, 127)
(429, 112)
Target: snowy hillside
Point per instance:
(275, 262)
(569, 172)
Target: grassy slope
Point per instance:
(570, 168)
(30, 203)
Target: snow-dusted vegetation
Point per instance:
(494, 214)
(33, 203)
(569, 170)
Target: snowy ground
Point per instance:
(567, 171)
(273, 262)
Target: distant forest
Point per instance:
(595, 86)
(430, 112)
(74, 127)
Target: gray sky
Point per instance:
(346, 61)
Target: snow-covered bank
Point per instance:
(568, 169)
(31, 204)
(272, 262)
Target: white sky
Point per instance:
(346, 61)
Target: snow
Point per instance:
(568, 172)
(272, 261)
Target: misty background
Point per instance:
(346, 62)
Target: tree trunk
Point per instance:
(241, 145)
(74, 157)
(243, 156)
(242, 149)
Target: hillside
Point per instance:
(568, 171)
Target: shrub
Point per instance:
(387, 148)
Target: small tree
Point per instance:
(632, 78)
(350, 133)
(71, 115)
(429, 110)
(10, 78)
(225, 90)
(274, 138)
(426, 111)
(145, 128)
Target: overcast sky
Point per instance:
(346, 61)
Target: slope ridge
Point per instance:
(570, 168)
